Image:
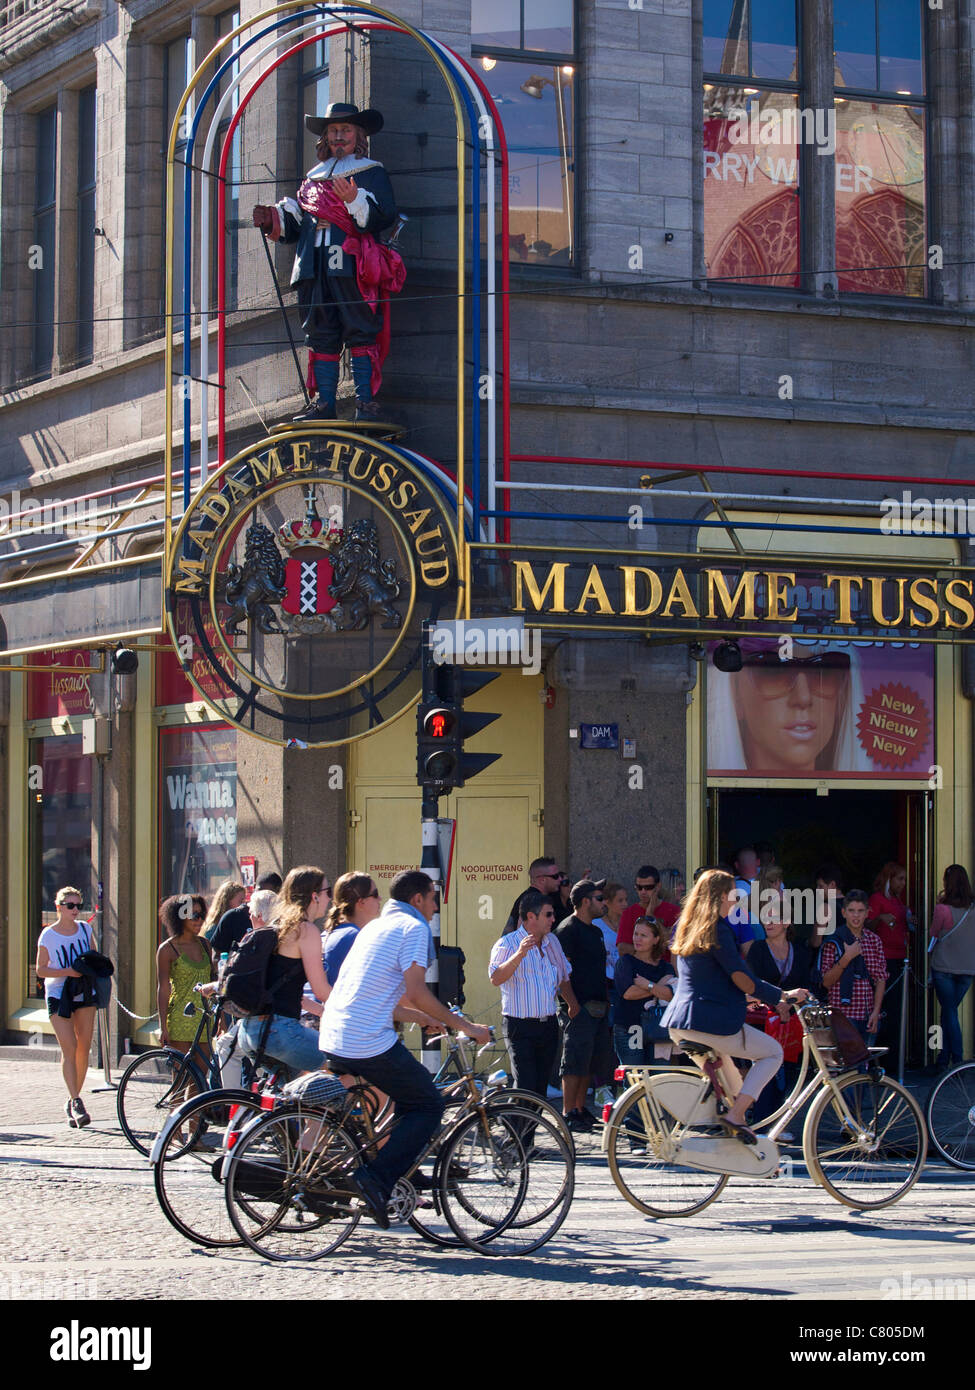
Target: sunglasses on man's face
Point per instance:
(645, 887)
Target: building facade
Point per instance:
(741, 305)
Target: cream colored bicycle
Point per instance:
(864, 1139)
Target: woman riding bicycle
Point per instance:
(713, 985)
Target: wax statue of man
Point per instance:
(342, 273)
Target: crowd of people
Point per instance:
(587, 980)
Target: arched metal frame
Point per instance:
(470, 100)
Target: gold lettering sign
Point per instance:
(556, 589)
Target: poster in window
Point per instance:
(198, 795)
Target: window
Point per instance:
(45, 232)
(525, 50)
(198, 809)
(226, 24)
(314, 100)
(759, 135)
(86, 225)
(881, 207)
(59, 832)
(751, 154)
(178, 66)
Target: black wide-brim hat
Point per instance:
(370, 121)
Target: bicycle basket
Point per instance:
(835, 1037)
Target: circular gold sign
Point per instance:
(298, 581)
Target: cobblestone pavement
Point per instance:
(85, 1199)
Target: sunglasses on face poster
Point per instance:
(810, 708)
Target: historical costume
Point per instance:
(343, 274)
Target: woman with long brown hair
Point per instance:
(713, 984)
(229, 894)
(355, 901)
(301, 905)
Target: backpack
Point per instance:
(243, 985)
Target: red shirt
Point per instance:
(860, 1006)
(624, 932)
(665, 913)
(893, 936)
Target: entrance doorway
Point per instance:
(858, 830)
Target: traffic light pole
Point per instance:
(430, 864)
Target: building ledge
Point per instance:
(27, 25)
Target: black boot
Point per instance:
(326, 382)
(365, 407)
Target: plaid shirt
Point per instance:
(872, 952)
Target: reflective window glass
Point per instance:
(773, 36)
(880, 198)
(44, 237)
(900, 62)
(726, 36)
(855, 43)
(86, 224)
(548, 25)
(198, 810)
(536, 104)
(496, 23)
(58, 834)
(751, 187)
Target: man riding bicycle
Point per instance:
(384, 970)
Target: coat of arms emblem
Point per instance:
(332, 580)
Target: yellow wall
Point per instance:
(497, 814)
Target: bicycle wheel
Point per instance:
(155, 1085)
(188, 1173)
(287, 1202)
(482, 1176)
(868, 1151)
(528, 1100)
(638, 1147)
(950, 1113)
(549, 1185)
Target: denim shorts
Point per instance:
(288, 1041)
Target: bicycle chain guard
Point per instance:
(402, 1202)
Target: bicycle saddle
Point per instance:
(701, 1049)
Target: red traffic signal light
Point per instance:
(439, 723)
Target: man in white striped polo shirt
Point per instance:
(382, 975)
(531, 969)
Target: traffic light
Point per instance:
(442, 725)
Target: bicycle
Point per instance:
(201, 1134)
(864, 1139)
(147, 1089)
(950, 1115)
(289, 1195)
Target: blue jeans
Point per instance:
(951, 990)
(641, 1056)
(418, 1108)
(288, 1041)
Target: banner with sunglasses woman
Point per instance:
(824, 710)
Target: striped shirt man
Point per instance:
(531, 991)
(357, 1020)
